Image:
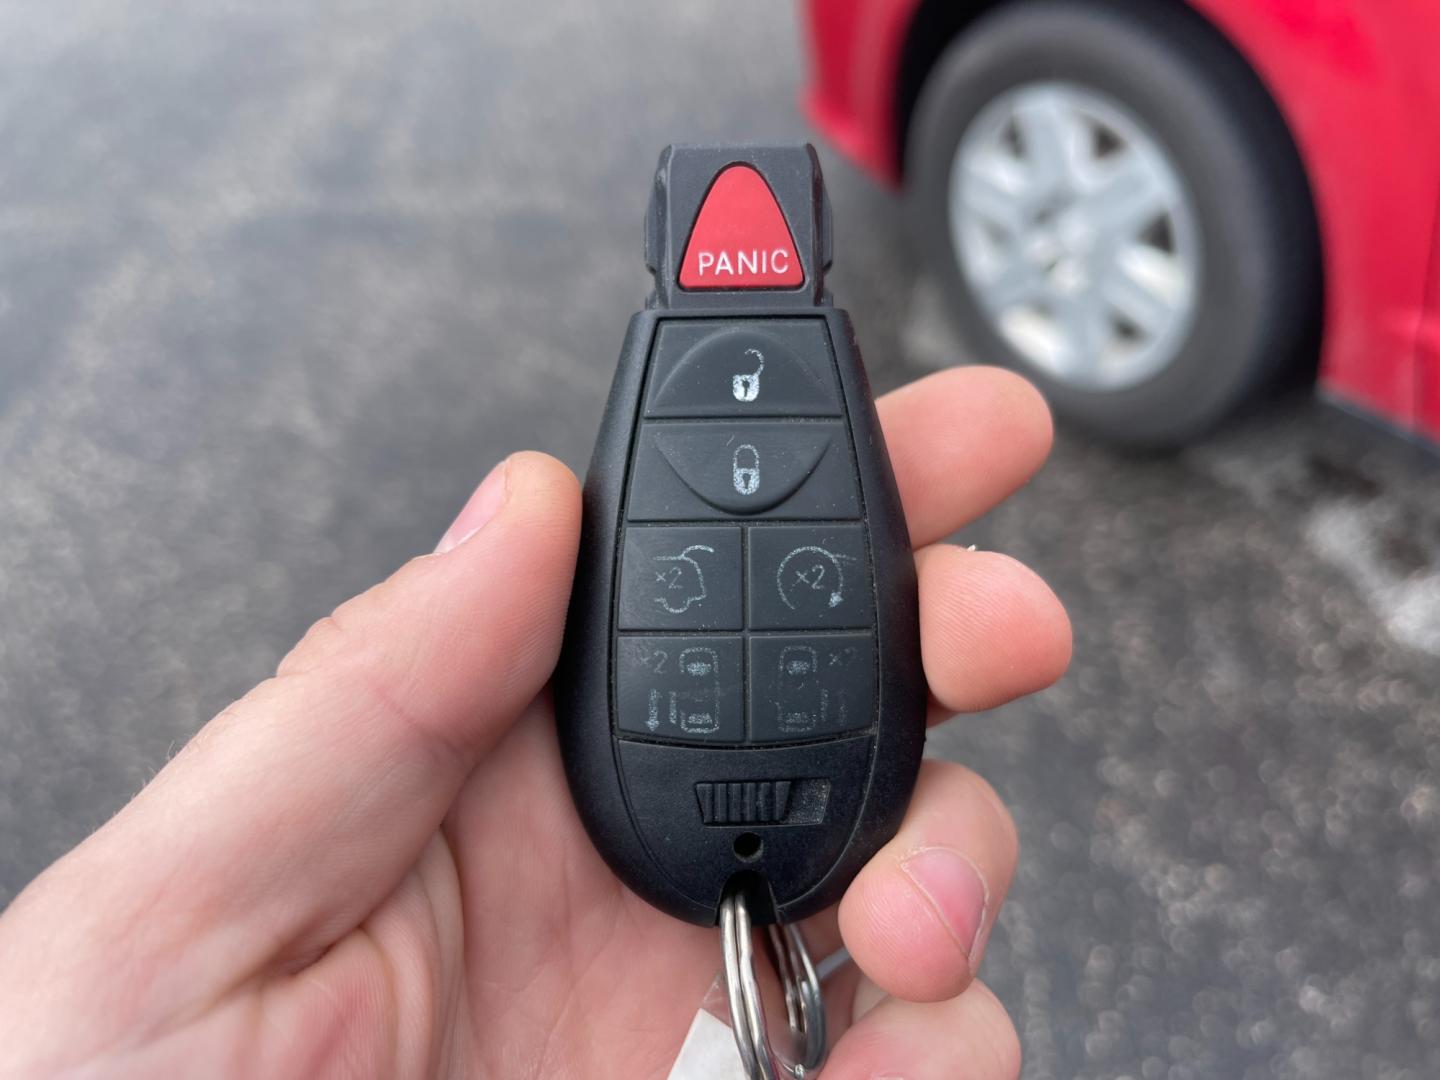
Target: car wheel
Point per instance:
(1115, 208)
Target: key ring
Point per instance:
(804, 1007)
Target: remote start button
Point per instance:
(740, 239)
(809, 576)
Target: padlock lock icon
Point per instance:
(745, 469)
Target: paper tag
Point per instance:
(709, 1052)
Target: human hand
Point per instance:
(371, 866)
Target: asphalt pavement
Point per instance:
(279, 282)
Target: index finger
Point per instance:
(961, 441)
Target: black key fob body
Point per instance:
(740, 697)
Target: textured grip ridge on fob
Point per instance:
(740, 696)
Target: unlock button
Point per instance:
(761, 367)
(688, 471)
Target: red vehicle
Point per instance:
(1154, 207)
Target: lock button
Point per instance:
(708, 471)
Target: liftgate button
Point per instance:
(740, 239)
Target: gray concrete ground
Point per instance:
(278, 282)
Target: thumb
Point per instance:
(299, 808)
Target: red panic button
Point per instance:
(740, 239)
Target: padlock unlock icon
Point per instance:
(745, 386)
(745, 469)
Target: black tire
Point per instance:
(1259, 294)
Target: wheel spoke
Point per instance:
(1051, 138)
(1086, 329)
(990, 198)
(1017, 282)
(1145, 287)
(1129, 197)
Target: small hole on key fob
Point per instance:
(747, 846)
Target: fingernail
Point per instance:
(956, 890)
(481, 507)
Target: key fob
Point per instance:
(740, 697)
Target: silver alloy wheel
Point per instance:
(1076, 235)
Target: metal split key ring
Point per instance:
(804, 1006)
